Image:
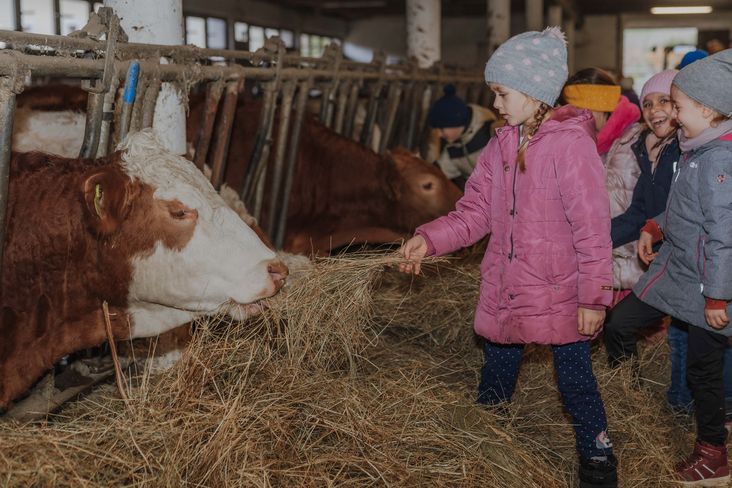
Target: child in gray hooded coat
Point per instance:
(691, 276)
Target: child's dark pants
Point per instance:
(577, 386)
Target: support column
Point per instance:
(534, 15)
(499, 23)
(571, 41)
(158, 22)
(554, 16)
(424, 34)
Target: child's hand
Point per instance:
(645, 248)
(590, 321)
(414, 250)
(716, 318)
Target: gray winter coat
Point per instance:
(695, 260)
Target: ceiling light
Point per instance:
(681, 10)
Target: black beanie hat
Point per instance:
(449, 110)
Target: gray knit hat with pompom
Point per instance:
(534, 63)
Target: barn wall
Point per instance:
(268, 15)
(598, 43)
(463, 38)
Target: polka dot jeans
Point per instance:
(577, 386)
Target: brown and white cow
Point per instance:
(342, 192)
(141, 229)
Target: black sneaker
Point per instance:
(598, 474)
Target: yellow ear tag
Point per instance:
(98, 195)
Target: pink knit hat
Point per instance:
(659, 83)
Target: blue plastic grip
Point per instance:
(131, 82)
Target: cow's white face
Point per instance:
(216, 264)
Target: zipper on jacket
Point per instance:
(513, 208)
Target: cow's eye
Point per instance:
(179, 214)
(428, 185)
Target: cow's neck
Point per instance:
(52, 290)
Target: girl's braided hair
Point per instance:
(530, 131)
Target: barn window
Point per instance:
(216, 33)
(288, 38)
(314, 46)
(241, 36)
(256, 37)
(7, 14)
(36, 16)
(74, 15)
(196, 31)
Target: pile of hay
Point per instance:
(356, 376)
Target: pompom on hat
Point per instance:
(534, 63)
(449, 110)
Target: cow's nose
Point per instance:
(278, 271)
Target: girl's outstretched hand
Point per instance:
(413, 250)
(645, 248)
(589, 321)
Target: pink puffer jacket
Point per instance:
(550, 248)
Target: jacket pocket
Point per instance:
(701, 261)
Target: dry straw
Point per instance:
(355, 376)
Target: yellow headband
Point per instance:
(600, 98)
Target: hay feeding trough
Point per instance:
(355, 376)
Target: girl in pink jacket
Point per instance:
(539, 190)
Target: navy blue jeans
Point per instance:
(577, 386)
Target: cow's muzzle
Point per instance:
(278, 271)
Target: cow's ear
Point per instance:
(105, 195)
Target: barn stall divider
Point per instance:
(123, 81)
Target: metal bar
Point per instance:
(223, 134)
(90, 68)
(404, 113)
(148, 105)
(94, 114)
(263, 166)
(341, 103)
(213, 97)
(415, 106)
(373, 107)
(256, 159)
(351, 109)
(128, 99)
(395, 94)
(302, 99)
(7, 109)
(288, 92)
(107, 118)
(325, 104)
(136, 114)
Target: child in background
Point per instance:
(464, 130)
(597, 91)
(539, 190)
(690, 277)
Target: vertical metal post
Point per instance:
(416, 106)
(94, 114)
(392, 104)
(302, 99)
(223, 134)
(214, 90)
(288, 92)
(351, 109)
(9, 88)
(260, 152)
(149, 102)
(373, 108)
(128, 99)
(325, 104)
(107, 117)
(341, 103)
(136, 115)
